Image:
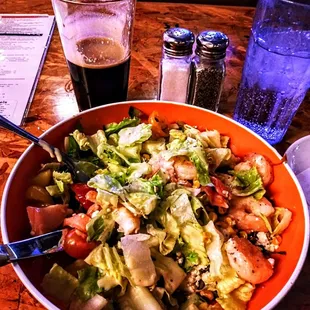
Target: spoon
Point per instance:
(78, 175)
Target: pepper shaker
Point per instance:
(175, 65)
(208, 69)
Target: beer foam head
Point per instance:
(80, 26)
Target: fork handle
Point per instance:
(4, 256)
(5, 123)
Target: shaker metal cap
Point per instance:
(212, 44)
(178, 41)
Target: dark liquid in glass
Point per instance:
(100, 75)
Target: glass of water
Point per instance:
(276, 73)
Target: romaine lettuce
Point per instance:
(116, 127)
(131, 135)
(138, 298)
(141, 203)
(154, 147)
(114, 271)
(59, 284)
(100, 227)
(248, 182)
(214, 249)
(171, 272)
(107, 183)
(88, 286)
(190, 230)
(138, 259)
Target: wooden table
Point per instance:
(54, 102)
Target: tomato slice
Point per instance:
(215, 198)
(159, 124)
(78, 221)
(80, 191)
(221, 188)
(46, 219)
(75, 244)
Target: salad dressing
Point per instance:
(56, 153)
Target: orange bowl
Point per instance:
(285, 191)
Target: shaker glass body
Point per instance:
(276, 73)
(96, 38)
(207, 82)
(174, 75)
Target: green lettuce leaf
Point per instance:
(172, 273)
(193, 150)
(137, 170)
(238, 298)
(53, 190)
(168, 236)
(59, 284)
(152, 186)
(139, 298)
(88, 286)
(132, 153)
(113, 139)
(100, 227)
(214, 249)
(106, 199)
(141, 203)
(176, 134)
(198, 158)
(87, 167)
(217, 156)
(72, 147)
(190, 230)
(131, 135)
(107, 183)
(110, 154)
(114, 271)
(116, 127)
(248, 182)
(154, 147)
(60, 189)
(89, 142)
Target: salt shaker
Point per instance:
(175, 65)
(208, 69)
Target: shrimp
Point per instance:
(261, 163)
(248, 260)
(158, 162)
(246, 212)
(128, 223)
(184, 168)
(91, 196)
(177, 167)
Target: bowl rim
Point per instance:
(46, 303)
(294, 145)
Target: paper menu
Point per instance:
(24, 41)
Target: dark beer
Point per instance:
(100, 72)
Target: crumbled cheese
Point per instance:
(264, 241)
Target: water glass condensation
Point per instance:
(276, 73)
(96, 38)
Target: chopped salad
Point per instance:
(170, 218)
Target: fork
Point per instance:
(78, 175)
